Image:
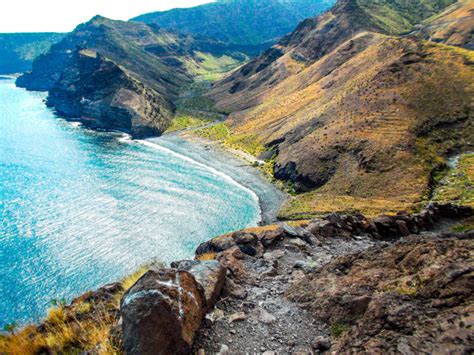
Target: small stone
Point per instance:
(237, 317)
(265, 317)
(322, 343)
(215, 315)
(224, 350)
(276, 254)
(232, 331)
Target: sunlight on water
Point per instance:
(81, 208)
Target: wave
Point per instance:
(207, 167)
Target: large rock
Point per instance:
(162, 312)
(209, 274)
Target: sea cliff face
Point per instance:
(104, 95)
(123, 75)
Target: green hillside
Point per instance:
(254, 23)
(18, 50)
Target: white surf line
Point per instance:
(209, 168)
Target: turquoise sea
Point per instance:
(81, 208)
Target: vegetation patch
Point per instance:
(223, 134)
(183, 121)
(87, 325)
(313, 204)
(457, 186)
(337, 329)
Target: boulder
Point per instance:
(162, 312)
(402, 228)
(234, 265)
(322, 228)
(209, 274)
(245, 238)
(271, 237)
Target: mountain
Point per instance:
(354, 116)
(453, 26)
(123, 75)
(253, 23)
(19, 50)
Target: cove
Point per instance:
(82, 208)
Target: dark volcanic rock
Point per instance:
(102, 95)
(413, 296)
(162, 312)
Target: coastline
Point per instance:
(235, 166)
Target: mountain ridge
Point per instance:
(250, 22)
(335, 104)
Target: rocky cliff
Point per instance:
(123, 76)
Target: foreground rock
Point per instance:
(415, 296)
(162, 312)
(290, 296)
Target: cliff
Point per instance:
(123, 76)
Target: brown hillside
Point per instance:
(454, 26)
(362, 127)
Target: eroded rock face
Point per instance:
(101, 94)
(413, 296)
(162, 312)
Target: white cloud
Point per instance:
(65, 15)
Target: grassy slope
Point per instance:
(452, 26)
(399, 16)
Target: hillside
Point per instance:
(255, 24)
(348, 112)
(19, 50)
(122, 75)
(453, 26)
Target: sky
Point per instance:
(65, 15)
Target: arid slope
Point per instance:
(360, 122)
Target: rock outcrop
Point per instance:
(162, 312)
(104, 95)
(360, 279)
(414, 296)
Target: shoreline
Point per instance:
(235, 166)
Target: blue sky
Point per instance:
(64, 15)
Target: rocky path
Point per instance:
(254, 316)
(334, 284)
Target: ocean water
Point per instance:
(81, 208)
